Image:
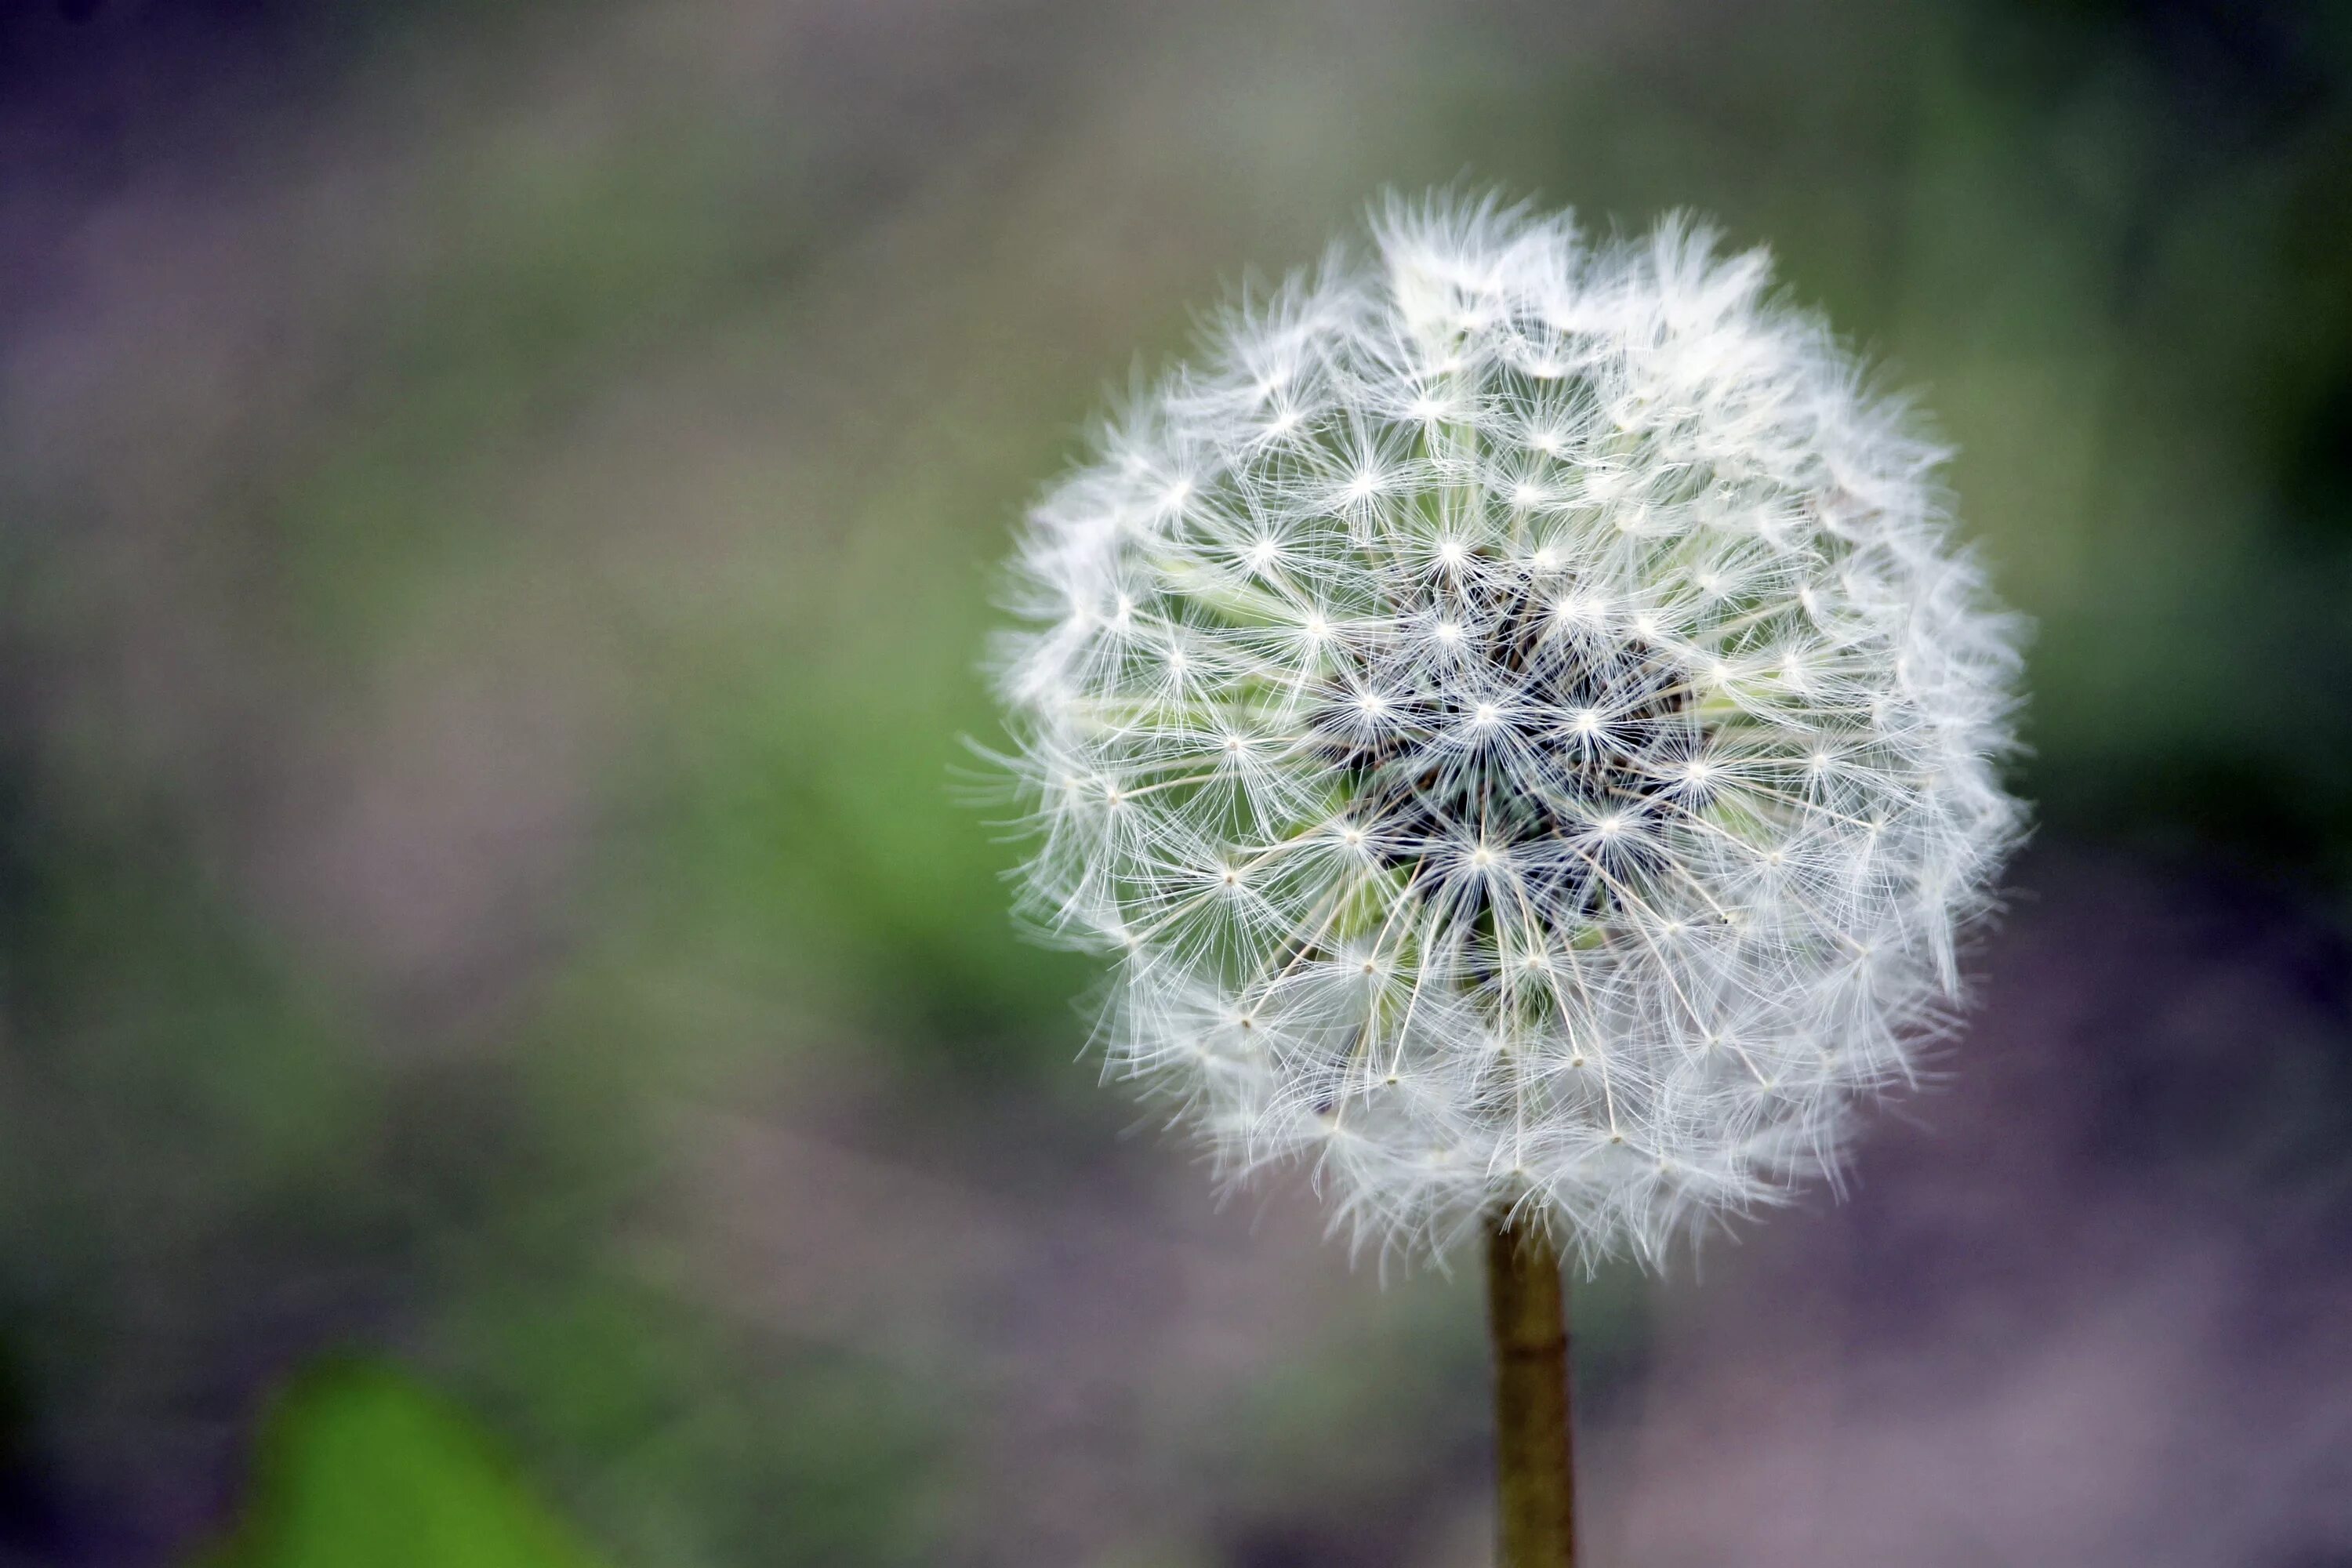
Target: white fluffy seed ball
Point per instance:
(1516, 718)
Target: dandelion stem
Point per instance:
(1527, 1317)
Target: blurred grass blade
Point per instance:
(360, 1467)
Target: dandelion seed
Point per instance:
(1568, 750)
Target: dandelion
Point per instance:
(1515, 721)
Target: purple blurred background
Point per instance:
(497, 511)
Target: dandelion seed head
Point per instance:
(1556, 771)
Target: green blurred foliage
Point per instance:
(362, 1469)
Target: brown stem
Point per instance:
(1526, 1315)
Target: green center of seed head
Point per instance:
(1521, 737)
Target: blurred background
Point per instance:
(511, 1051)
